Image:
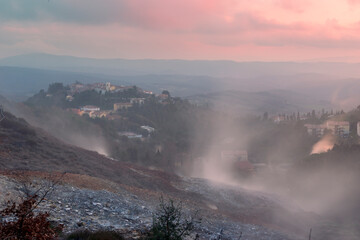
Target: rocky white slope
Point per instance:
(124, 210)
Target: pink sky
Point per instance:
(241, 30)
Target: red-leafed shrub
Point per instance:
(19, 222)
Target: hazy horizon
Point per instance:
(336, 59)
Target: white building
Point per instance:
(339, 128)
(102, 91)
(130, 135)
(120, 106)
(139, 101)
(317, 130)
(89, 108)
(108, 86)
(278, 119)
(149, 129)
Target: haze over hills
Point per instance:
(19, 83)
(232, 207)
(273, 102)
(33, 149)
(334, 84)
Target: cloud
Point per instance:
(248, 28)
(86, 12)
(178, 28)
(156, 14)
(353, 2)
(297, 6)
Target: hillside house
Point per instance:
(130, 135)
(339, 128)
(139, 101)
(107, 86)
(316, 130)
(69, 98)
(99, 114)
(90, 108)
(114, 88)
(121, 106)
(101, 91)
(279, 119)
(148, 92)
(147, 128)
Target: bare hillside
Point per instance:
(26, 148)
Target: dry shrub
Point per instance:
(19, 222)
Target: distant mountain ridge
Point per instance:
(214, 68)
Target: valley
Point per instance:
(115, 191)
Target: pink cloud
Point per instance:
(353, 2)
(174, 15)
(212, 29)
(21, 29)
(297, 6)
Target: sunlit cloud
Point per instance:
(353, 2)
(196, 29)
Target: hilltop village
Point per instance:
(121, 98)
(101, 101)
(328, 126)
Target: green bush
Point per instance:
(170, 223)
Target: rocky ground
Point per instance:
(122, 210)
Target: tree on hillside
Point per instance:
(55, 88)
(166, 92)
(266, 116)
(313, 114)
